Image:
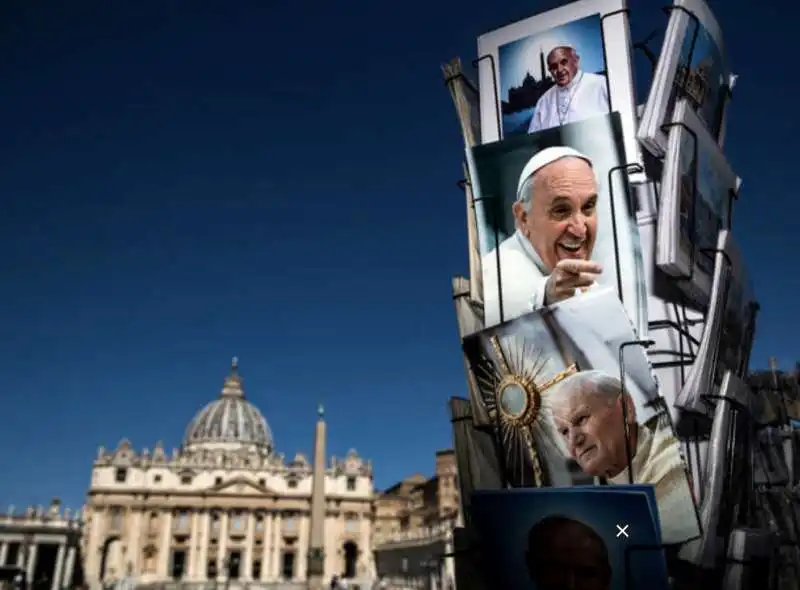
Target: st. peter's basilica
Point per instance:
(226, 506)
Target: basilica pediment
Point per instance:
(241, 486)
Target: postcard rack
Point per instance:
(725, 88)
(686, 354)
(493, 66)
(480, 455)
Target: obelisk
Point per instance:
(315, 570)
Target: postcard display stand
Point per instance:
(733, 438)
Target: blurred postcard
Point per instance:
(598, 538)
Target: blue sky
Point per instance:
(276, 181)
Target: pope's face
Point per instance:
(573, 562)
(562, 63)
(561, 222)
(593, 431)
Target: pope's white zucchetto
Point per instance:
(545, 157)
(558, 45)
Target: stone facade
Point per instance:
(225, 506)
(41, 547)
(418, 502)
(414, 520)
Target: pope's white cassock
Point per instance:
(586, 96)
(524, 274)
(658, 462)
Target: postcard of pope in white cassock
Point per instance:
(568, 382)
(554, 219)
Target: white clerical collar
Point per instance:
(576, 79)
(531, 252)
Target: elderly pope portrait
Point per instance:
(577, 95)
(546, 259)
(590, 411)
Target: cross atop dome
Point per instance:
(233, 382)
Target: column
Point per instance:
(162, 571)
(31, 561)
(69, 567)
(135, 528)
(276, 547)
(57, 583)
(365, 557)
(202, 543)
(3, 552)
(315, 554)
(266, 562)
(191, 557)
(222, 573)
(302, 546)
(249, 542)
(94, 548)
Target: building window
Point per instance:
(236, 521)
(234, 562)
(178, 564)
(186, 479)
(262, 482)
(121, 475)
(156, 479)
(215, 522)
(289, 523)
(256, 573)
(152, 524)
(217, 481)
(259, 522)
(12, 554)
(211, 569)
(288, 565)
(292, 483)
(351, 484)
(183, 519)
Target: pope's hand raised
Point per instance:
(568, 276)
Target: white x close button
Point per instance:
(622, 530)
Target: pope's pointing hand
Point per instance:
(568, 276)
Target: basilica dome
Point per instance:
(230, 421)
